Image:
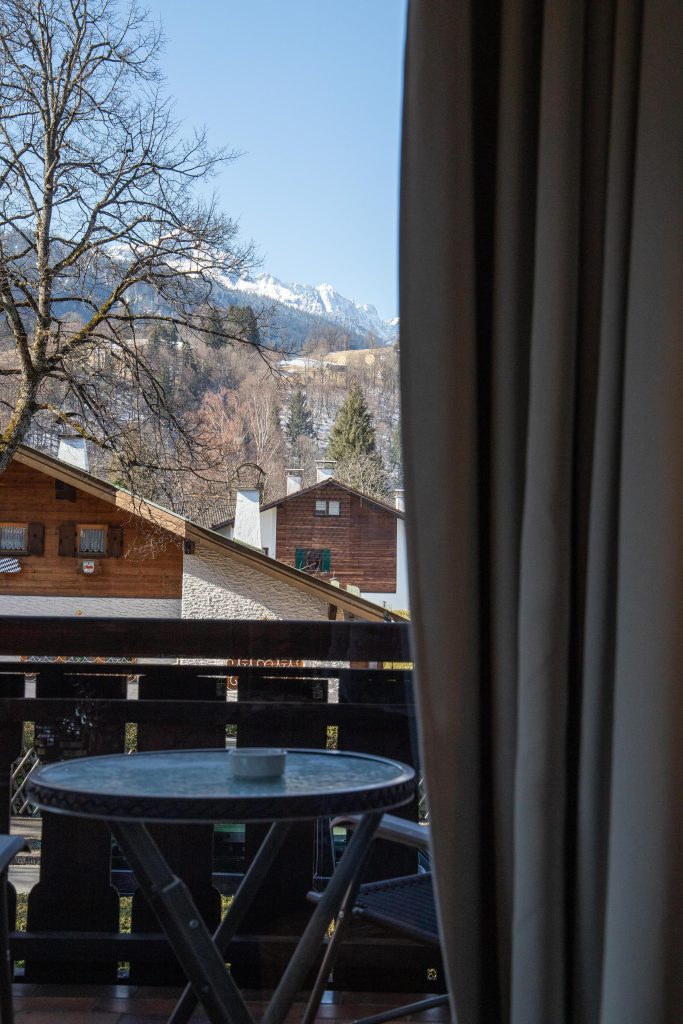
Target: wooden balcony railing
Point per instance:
(295, 684)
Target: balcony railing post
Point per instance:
(74, 910)
(75, 890)
(280, 903)
(188, 849)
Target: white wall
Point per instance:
(89, 607)
(218, 587)
(269, 531)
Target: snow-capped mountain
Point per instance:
(295, 313)
(361, 321)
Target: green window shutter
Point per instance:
(67, 540)
(326, 561)
(299, 558)
(36, 538)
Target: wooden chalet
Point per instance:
(71, 544)
(336, 532)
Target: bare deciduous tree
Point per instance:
(101, 232)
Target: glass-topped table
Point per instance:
(128, 791)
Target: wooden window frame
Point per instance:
(64, 492)
(326, 510)
(15, 551)
(305, 559)
(70, 540)
(80, 527)
(34, 540)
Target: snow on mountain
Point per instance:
(321, 301)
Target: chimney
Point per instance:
(399, 499)
(324, 470)
(248, 517)
(73, 451)
(294, 479)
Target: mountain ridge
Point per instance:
(320, 302)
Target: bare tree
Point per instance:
(102, 235)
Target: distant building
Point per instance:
(71, 544)
(331, 531)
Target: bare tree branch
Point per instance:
(103, 237)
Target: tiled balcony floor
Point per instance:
(121, 1004)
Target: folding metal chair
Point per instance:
(402, 905)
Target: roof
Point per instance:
(208, 512)
(329, 482)
(183, 528)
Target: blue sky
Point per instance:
(310, 92)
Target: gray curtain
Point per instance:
(542, 365)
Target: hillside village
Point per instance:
(275, 414)
(74, 545)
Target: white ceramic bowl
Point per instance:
(256, 762)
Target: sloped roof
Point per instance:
(329, 482)
(187, 530)
(208, 512)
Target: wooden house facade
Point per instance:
(71, 544)
(335, 532)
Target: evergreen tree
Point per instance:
(299, 421)
(395, 456)
(352, 446)
(353, 432)
(162, 336)
(235, 321)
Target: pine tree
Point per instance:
(352, 446)
(235, 321)
(299, 421)
(353, 432)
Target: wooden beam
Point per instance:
(204, 638)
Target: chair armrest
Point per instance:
(398, 830)
(10, 846)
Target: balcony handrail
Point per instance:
(178, 702)
(204, 638)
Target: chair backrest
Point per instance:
(403, 905)
(10, 846)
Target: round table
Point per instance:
(196, 786)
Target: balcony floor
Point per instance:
(121, 1004)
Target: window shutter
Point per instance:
(64, 492)
(115, 541)
(67, 540)
(35, 538)
(299, 558)
(326, 561)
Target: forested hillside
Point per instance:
(271, 411)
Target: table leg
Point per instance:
(188, 936)
(347, 874)
(341, 924)
(248, 887)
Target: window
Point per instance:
(13, 537)
(92, 540)
(22, 538)
(327, 508)
(313, 559)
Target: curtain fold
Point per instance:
(542, 369)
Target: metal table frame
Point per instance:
(200, 954)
